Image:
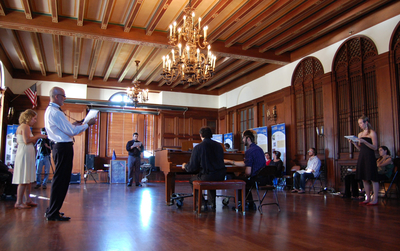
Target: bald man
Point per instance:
(61, 132)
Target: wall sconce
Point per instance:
(272, 116)
(320, 131)
(10, 113)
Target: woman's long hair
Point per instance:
(385, 149)
(366, 119)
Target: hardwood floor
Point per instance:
(116, 217)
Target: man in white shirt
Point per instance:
(60, 131)
(312, 171)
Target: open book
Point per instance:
(91, 114)
(352, 138)
(138, 143)
(304, 171)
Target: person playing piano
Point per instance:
(254, 161)
(207, 160)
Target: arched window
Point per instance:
(354, 73)
(120, 97)
(307, 86)
(395, 52)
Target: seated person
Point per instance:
(350, 181)
(207, 160)
(254, 161)
(6, 175)
(276, 161)
(312, 171)
(267, 158)
(384, 164)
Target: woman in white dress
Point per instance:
(24, 168)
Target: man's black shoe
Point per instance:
(37, 186)
(58, 218)
(129, 184)
(61, 214)
(44, 187)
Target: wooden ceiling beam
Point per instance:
(156, 73)
(81, 12)
(220, 65)
(195, 4)
(97, 82)
(132, 15)
(310, 22)
(27, 9)
(331, 25)
(218, 48)
(57, 48)
(107, 14)
(290, 19)
(273, 8)
(39, 52)
(129, 63)
(227, 71)
(77, 55)
(162, 8)
(91, 30)
(237, 17)
(114, 55)
(54, 11)
(215, 11)
(19, 49)
(236, 74)
(146, 62)
(94, 58)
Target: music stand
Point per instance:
(88, 172)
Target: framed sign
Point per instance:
(118, 171)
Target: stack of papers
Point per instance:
(352, 138)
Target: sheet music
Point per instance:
(91, 114)
(352, 138)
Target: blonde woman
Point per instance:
(24, 168)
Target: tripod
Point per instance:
(88, 172)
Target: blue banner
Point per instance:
(262, 137)
(279, 140)
(228, 139)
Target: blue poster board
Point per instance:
(228, 138)
(118, 171)
(262, 137)
(279, 140)
(217, 137)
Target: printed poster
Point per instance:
(262, 137)
(279, 140)
(228, 139)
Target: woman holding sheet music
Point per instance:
(366, 165)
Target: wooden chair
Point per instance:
(199, 186)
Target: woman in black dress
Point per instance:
(366, 165)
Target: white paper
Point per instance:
(91, 114)
(352, 138)
(303, 171)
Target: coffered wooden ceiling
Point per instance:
(96, 42)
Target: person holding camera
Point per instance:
(42, 159)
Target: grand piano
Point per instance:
(168, 160)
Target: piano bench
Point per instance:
(199, 186)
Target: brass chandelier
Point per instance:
(135, 93)
(187, 62)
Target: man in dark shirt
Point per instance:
(6, 174)
(208, 161)
(43, 159)
(135, 149)
(254, 161)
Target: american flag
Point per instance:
(32, 95)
